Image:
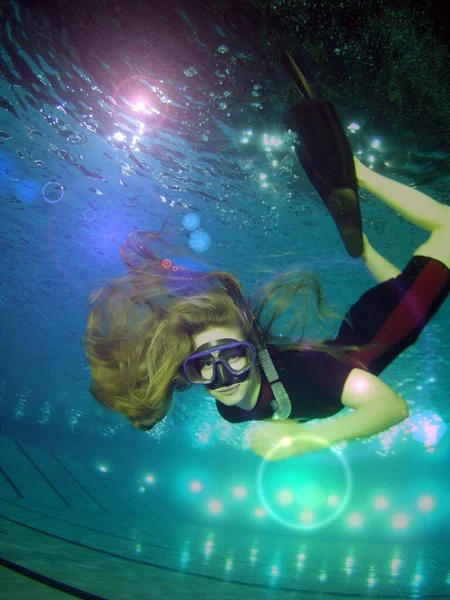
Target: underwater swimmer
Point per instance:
(212, 339)
(383, 323)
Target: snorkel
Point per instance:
(281, 404)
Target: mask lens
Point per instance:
(237, 358)
(205, 367)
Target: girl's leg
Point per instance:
(415, 207)
(380, 268)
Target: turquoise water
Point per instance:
(111, 120)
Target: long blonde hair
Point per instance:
(140, 326)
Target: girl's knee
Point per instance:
(437, 246)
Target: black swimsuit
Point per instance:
(389, 316)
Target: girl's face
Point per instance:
(245, 394)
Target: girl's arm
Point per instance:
(376, 407)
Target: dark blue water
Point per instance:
(116, 116)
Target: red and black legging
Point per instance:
(391, 315)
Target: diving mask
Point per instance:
(220, 363)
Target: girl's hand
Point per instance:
(276, 440)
